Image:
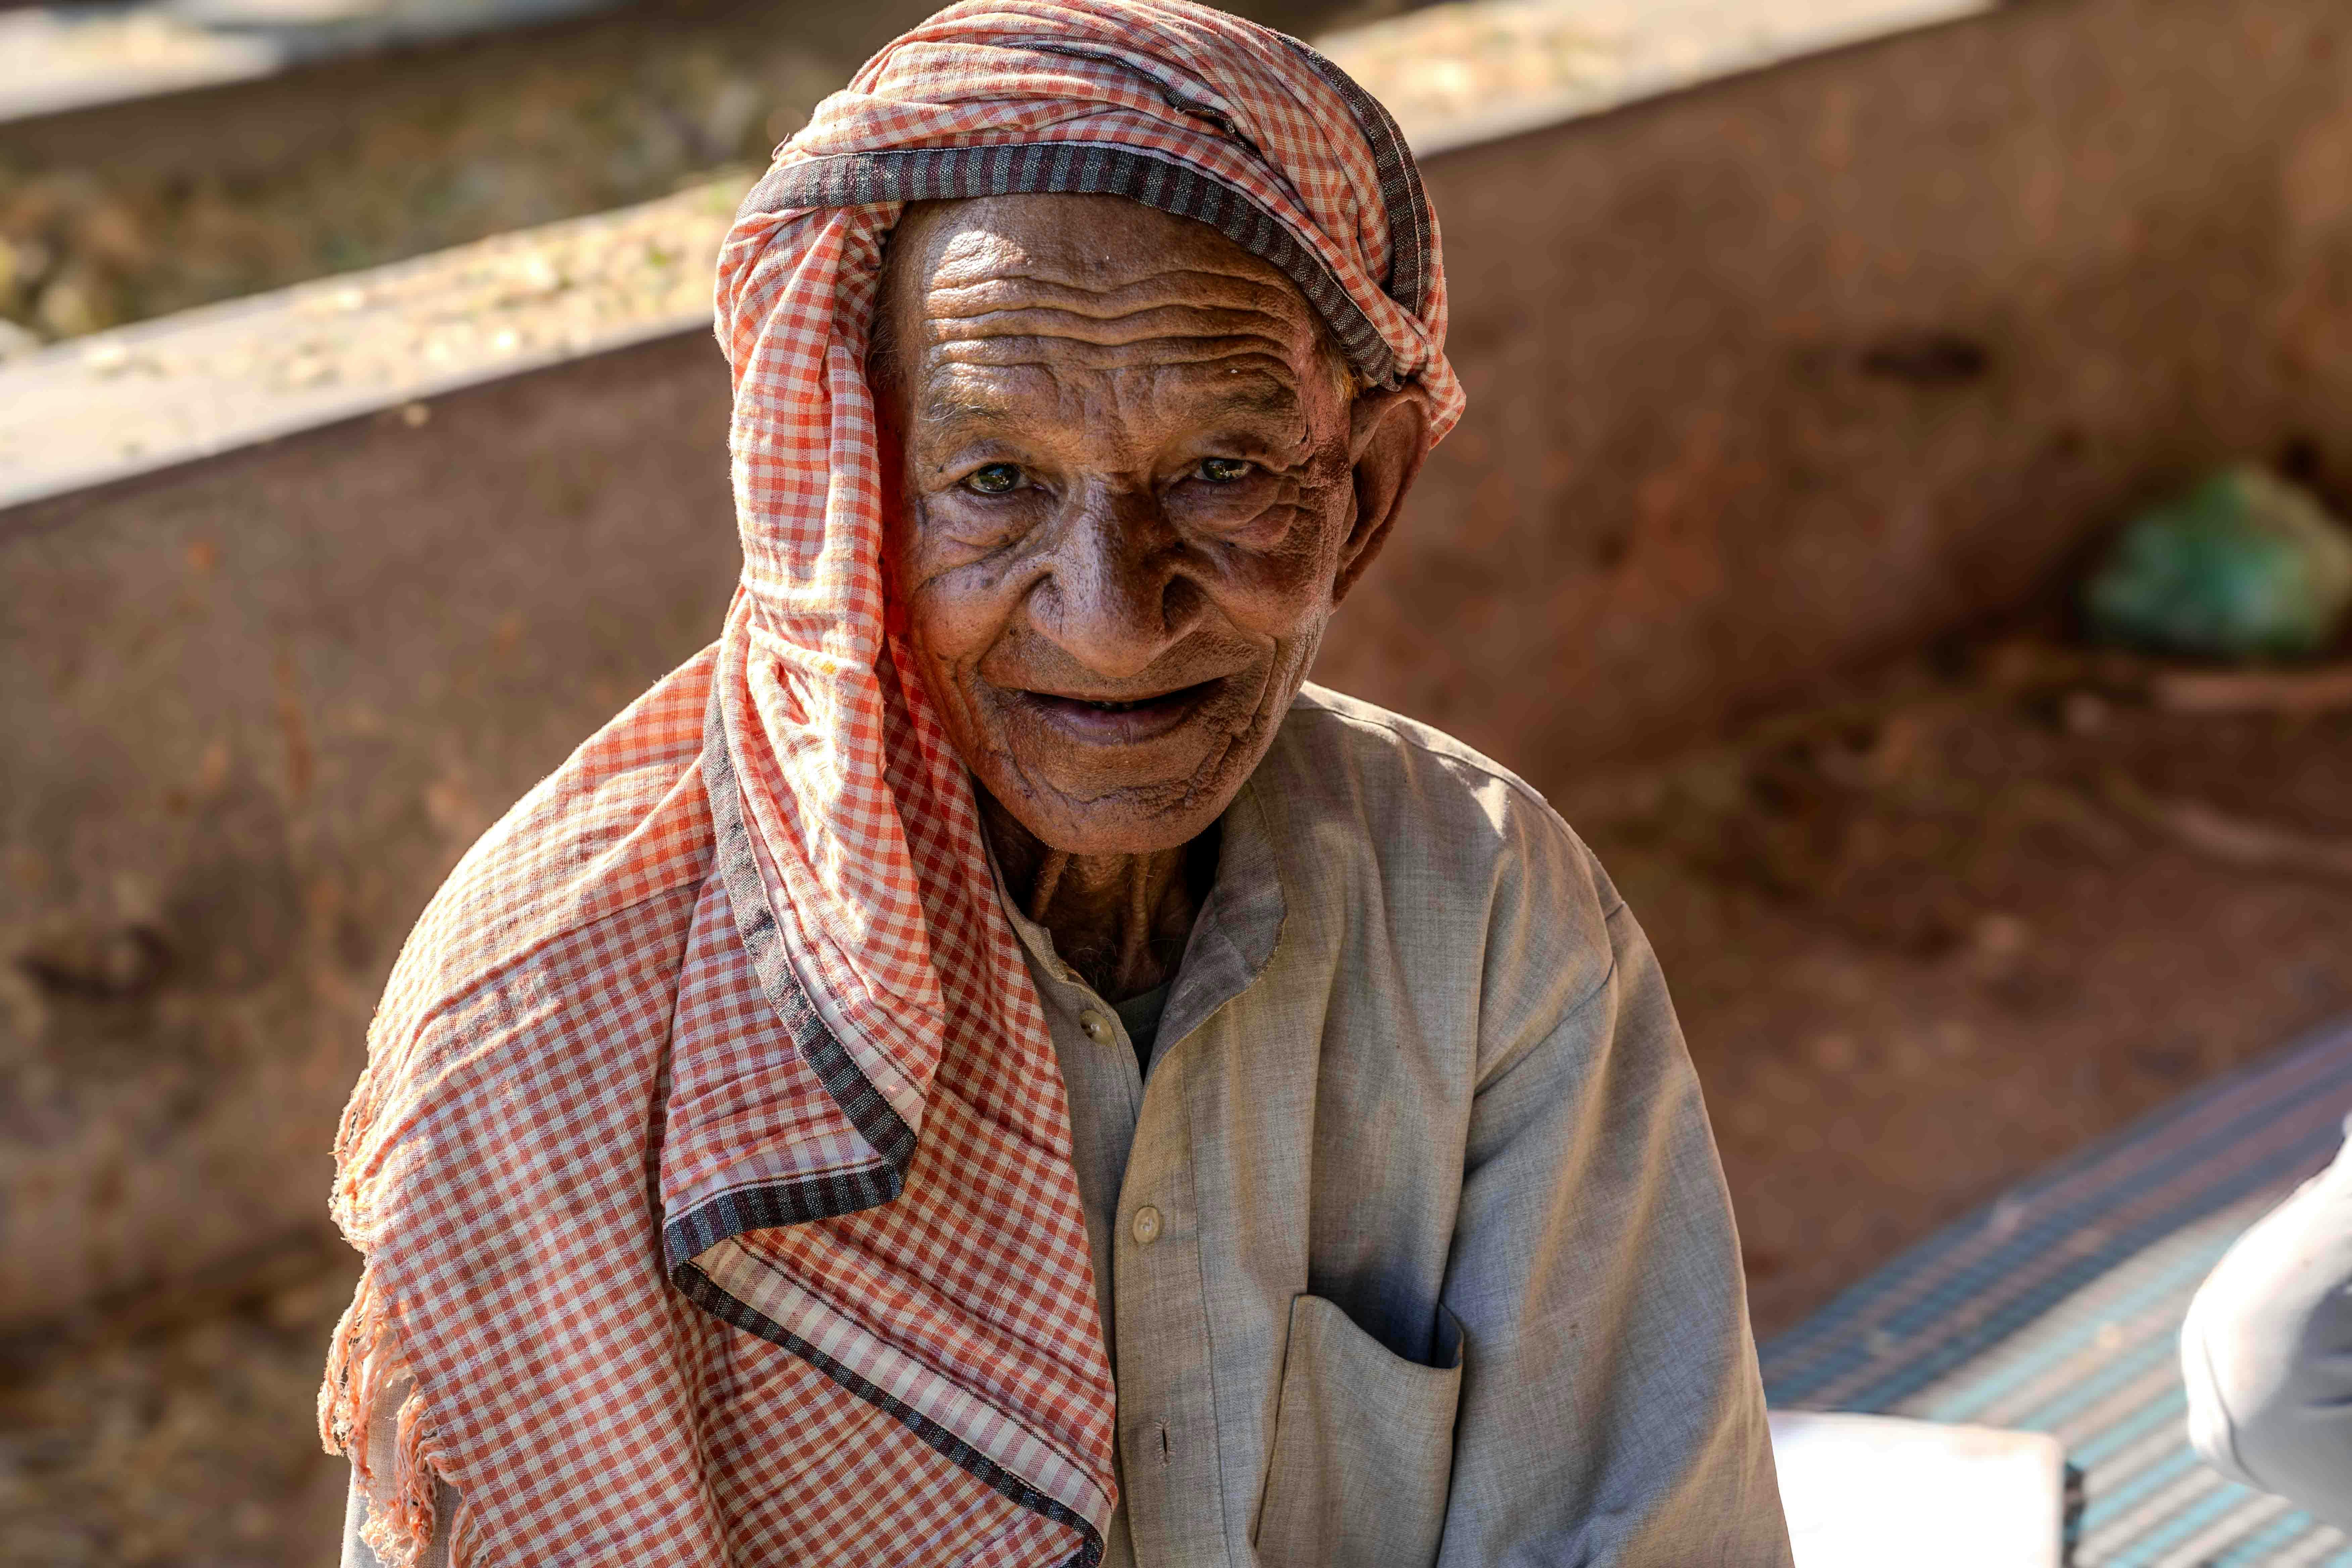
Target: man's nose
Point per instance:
(1111, 598)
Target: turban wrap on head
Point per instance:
(828, 1087)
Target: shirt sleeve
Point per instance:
(2266, 1351)
(1612, 1413)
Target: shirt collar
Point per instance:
(1233, 936)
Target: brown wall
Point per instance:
(1766, 378)
(1728, 424)
(262, 706)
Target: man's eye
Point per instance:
(994, 479)
(1224, 470)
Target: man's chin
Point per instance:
(1142, 815)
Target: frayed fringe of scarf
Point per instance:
(345, 1203)
(363, 1363)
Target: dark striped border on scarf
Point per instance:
(705, 1293)
(730, 1214)
(1082, 168)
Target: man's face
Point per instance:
(1129, 473)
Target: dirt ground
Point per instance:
(117, 214)
(1925, 936)
(434, 149)
(1967, 914)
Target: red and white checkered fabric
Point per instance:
(578, 1048)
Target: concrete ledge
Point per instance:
(1767, 376)
(100, 409)
(264, 703)
(1818, 363)
(1458, 74)
(143, 397)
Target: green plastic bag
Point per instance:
(2244, 566)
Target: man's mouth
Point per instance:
(1105, 721)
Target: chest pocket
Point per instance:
(1364, 1447)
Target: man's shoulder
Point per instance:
(1392, 761)
(1408, 847)
(1411, 794)
(547, 963)
(601, 840)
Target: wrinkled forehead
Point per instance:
(1093, 272)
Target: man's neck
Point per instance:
(1121, 920)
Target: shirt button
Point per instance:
(1147, 1226)
(1097, 1026)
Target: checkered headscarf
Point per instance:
(725, 1014)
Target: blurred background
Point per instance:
(1898, 523)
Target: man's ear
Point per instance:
(1388, 438)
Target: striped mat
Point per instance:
(2058, 1310)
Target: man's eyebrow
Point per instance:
(1255, 395)
(962, 411)
(1254, 392)
(1261, 395)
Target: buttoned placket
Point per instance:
(1103, 1082)
(1167, 1408)
(1148, 1276)
(1143, 1224)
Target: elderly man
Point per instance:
(985, 1066)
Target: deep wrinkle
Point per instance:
(1134, 480)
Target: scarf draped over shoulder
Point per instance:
(712, 1163)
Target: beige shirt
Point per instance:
(1412, 1246)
